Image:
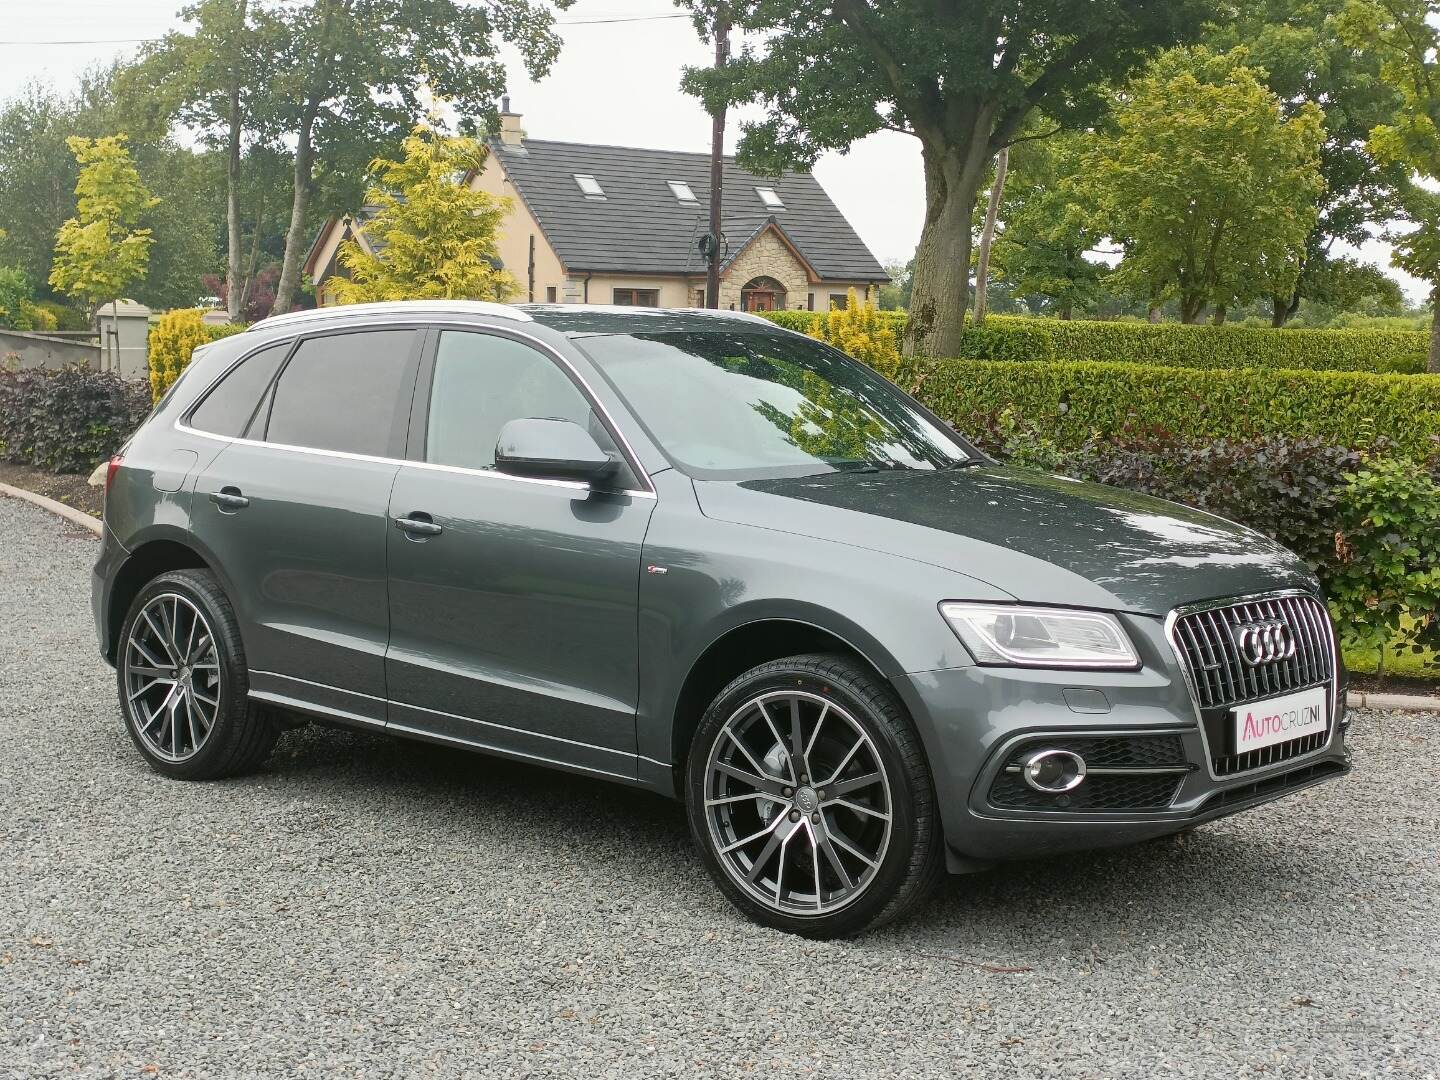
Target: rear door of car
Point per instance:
(294, 512)
(513, 627)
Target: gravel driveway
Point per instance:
(367, 907)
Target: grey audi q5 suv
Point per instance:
(703, 555)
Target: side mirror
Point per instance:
(551, 450)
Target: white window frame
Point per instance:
(770, 197)
(588, 185)
(682, 191)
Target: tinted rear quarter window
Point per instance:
(227, 409)
(344, 392)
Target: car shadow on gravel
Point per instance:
(1206, 883)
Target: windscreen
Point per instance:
(727, 405)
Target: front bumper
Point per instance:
(974, 721)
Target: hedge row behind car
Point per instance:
(1073, 402)
(66, 421)
(1009, 337)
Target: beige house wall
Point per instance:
(674, 291)
(518, 226)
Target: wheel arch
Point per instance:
(741, 648)
(145, 563)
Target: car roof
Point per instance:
(583, 320)
(575, 320)
(411, 308)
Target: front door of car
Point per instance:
(295, 515)
(513, 605)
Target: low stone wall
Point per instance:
(43, 351)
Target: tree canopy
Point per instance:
(1298, 49)
(1406, 35)
(1209, 187)
(1047, 229)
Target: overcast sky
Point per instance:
(614, 83)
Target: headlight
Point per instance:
(1041, 637)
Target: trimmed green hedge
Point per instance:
(1010, 337)
(1072, 402)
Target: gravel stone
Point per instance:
(369, 907)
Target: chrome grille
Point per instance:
(1221, 678)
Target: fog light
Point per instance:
(1053, 771)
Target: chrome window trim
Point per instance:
(586, 387)
(574, 485)
(1174, 617)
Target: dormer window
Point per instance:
(589, 186)
(770, 197)
(682, 192)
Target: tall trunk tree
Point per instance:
(318, 88)
(960, 78)
(987, 235)
(234, 127)
(365, 73)
(1432, 364)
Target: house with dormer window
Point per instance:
(596, 224)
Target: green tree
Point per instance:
(1210, 189)
(1046, 228)
(436, 237)
(1406, 35)
(1301, 50)
(101, 251)
(895, 293)
(38, 175)
(961, 78)
(214, 79)
(351, 76)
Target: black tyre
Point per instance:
(811, 800)
(180, 669)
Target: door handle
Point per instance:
(418, 526)
(229, 498)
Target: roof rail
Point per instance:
(397, 307)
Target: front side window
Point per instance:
(227, 409)
(481, 383)
(727, 405)
(344, 392)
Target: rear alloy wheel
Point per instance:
(183, 685)
(811, 800)
(172, 677)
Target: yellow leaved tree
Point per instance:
(432, 237)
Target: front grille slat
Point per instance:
(1222, 679)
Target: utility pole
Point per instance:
(713, 252)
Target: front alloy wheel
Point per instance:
(811, 800)
(798, 803)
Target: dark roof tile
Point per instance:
(640, 227)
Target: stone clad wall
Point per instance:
(766, 257)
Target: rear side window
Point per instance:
(227, 409)
(343, 392)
